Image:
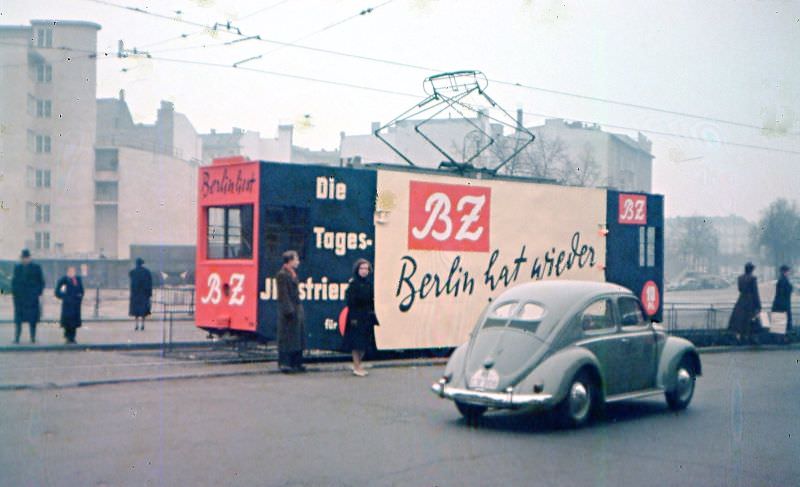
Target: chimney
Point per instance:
(519, 119)
(121, 95)
(375, 126)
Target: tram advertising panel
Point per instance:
(226, 277)
(326, 215)
(447, 245)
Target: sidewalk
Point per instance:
(102, 334)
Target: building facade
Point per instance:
(250, 144)
(48, 122)
(145, 180)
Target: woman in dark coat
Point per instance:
(744, 319)
(291, 318)
(69, 290)
(359, 333)
(783, 297)
(141, 291)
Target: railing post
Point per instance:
(97, 302)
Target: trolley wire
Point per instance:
(432, 69)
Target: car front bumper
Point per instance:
(500, 400)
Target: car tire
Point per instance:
(681, 394)
(471, 412)
(577, 408)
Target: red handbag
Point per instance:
(343, 320)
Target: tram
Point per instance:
(443, 245)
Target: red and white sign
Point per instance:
(449, 217)
(632, 209)
(651, 299)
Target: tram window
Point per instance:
(230, 232)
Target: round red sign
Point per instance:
(650, 298)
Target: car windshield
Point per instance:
(513, 314)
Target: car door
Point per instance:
(601, 337)
(637, 367)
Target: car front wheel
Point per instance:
(470, 412)
(681, 395)
(575, 410)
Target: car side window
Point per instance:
(597, 317)
(630, 313)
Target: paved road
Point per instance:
(329, 428)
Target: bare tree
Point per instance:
(698, 243)
(583, 170)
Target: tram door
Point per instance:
(635, 247)
(227, 239)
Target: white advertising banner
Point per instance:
(446, 245)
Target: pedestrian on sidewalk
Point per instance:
(141, 292)
(783, 297)
(359, 333)
(69, 290)
(27, 286)
(291, 317)
(744, 320)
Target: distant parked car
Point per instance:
(699, 282)
(568, 346)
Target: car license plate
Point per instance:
(484, 380)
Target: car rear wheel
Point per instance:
(681, 394)
(576, 409)
(470, 412)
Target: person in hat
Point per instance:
(69, 290)
(291, 318)
(27, 286)
(744, 320)
(783, 297)
(141, 292)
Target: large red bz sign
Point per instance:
(449, 217)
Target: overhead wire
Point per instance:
(431, 69)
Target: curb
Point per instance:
(100, 347)
(213, 375)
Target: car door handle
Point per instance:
(626, 341)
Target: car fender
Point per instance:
(674, 350)
(556, 372)
(455, 365)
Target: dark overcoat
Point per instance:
(291, 317)
(783, 295)
(71, 295)
(27, 285)
(358, 334)
(141, 291)
(745, 312)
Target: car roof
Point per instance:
(560, 294)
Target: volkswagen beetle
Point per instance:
(570, 347)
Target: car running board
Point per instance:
(634, 395)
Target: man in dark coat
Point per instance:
(744, 319)
(783, 297)
(291, 318)
(141, 291)
(27, 286)
(69, 290)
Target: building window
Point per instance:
(42, 144)
(105, 191)
(42, 240)
(106, 160)
(230, 232)
(31, 140)
(42, 178)
(44, 73)
(44, 108)
(30, 177)
(44, 37)
(30, 212)
(31, 105)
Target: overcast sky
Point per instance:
(733, 61)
